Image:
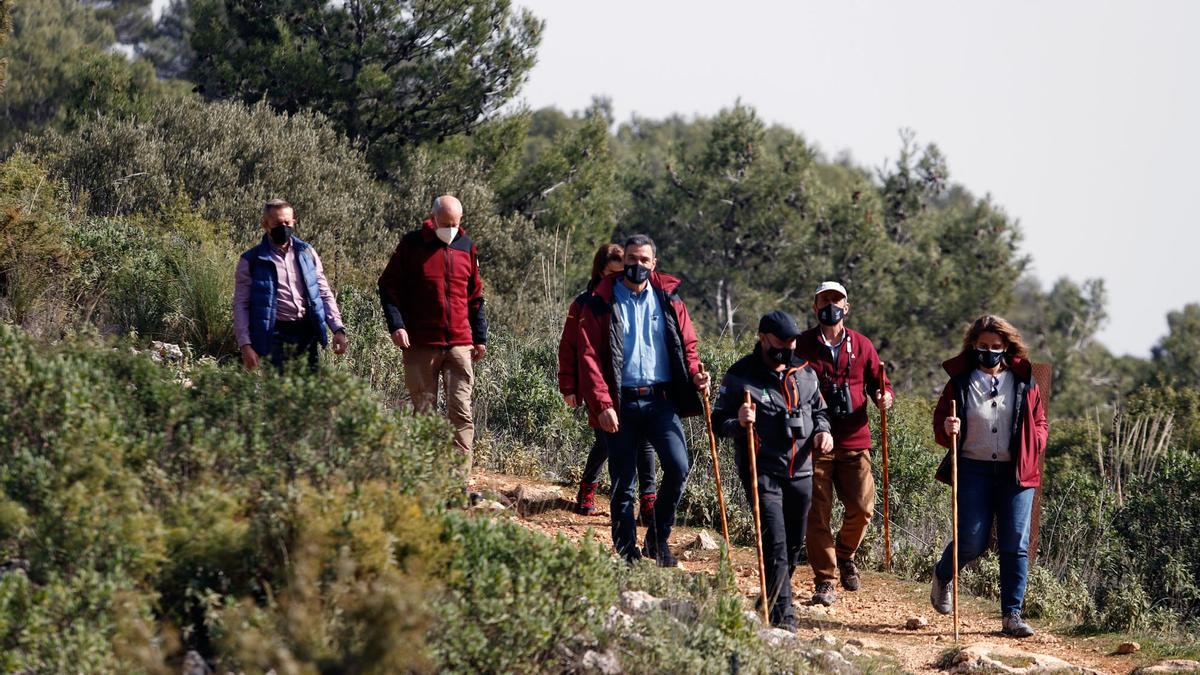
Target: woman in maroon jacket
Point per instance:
(1002, 429)
(609, 259)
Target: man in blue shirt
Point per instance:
(639, 373)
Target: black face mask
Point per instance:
(780, 355)
(636, 273)
(281, 234)
(988, 358)
(830, 315)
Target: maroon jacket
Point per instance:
(1030, 428)
(857, 367)
(601, 338)
(434, 290)
(568, 348)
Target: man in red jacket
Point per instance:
(432, 298)
(639, 372)
(847, 366)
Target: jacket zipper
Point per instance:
(788, 397)
(446, 309)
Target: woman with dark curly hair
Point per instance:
(1002, 429)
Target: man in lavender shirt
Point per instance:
(282, 305)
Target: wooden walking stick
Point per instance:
(712, 448)
(762, 573)
(954, 512)
(883, 415)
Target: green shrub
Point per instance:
(515, 596)
(34, 256)
(351, 592)
(122, 485)
(69, 624)
(204, 283)
(523, 412)
(227, 159)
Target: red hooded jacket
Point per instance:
(568, 348)
(858, 368)
(434, 291)
(600, 338)
(1030, 428)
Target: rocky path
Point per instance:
(874, 618)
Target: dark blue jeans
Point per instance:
(599, 455)
(653, 420)
(293, 339)
(987, 491)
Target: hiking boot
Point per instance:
(632, 556)
(1014, 626)
(646, 510)
(585, 501)
(849, 572)
(786, 624)
(939, 595)
(650, 547)
(824, 594)
(665, 558)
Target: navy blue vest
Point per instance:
(262, 293)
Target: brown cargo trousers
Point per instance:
(848, 473)
(422, 367)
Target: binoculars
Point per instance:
(839, 401)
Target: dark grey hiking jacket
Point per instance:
(793, 391)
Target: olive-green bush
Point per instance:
(151, 502)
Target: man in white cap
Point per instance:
(847, 366)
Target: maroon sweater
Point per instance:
(434, 291)
(1030, 428)
(858, 367)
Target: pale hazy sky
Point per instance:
(1081, 119)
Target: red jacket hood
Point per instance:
(663, 282)
(963, 363)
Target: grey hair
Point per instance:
(273, 204)
(641, 240)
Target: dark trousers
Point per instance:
(293, 339)
(599, 455)
(783, 503)
(654, 420)
(987, 491)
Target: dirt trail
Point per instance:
(876, 614)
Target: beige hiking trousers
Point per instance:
(422, 367)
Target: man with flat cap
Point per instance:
(790, 422)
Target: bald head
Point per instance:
(447, 211)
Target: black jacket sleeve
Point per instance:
(729, 399)
(389, 286)
(475, 315)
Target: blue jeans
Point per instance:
(987, 491)
(653, 420)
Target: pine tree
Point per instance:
(389, 73)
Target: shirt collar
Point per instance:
(624, 292)
(845, 334)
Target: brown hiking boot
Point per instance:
(824, 594)
(849, 572)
